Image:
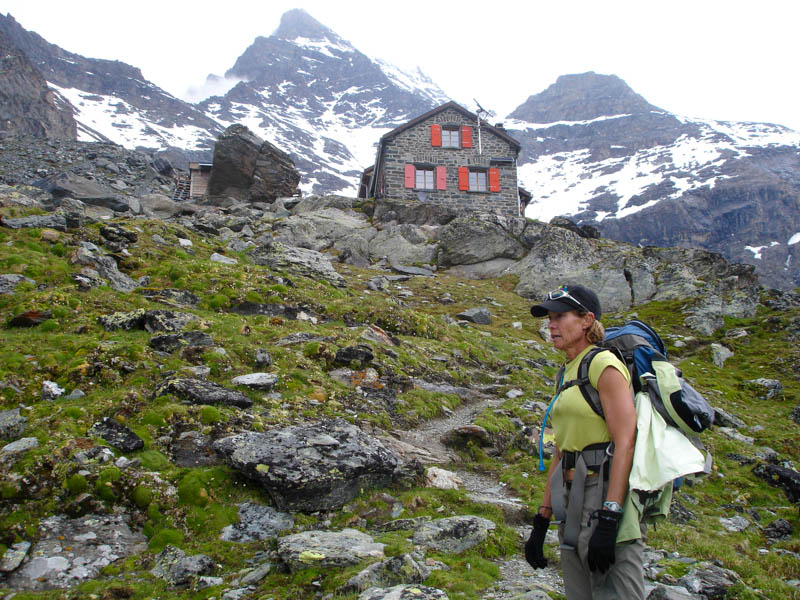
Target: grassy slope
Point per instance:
(118, 372)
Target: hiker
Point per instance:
(587, 483)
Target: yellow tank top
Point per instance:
(575, 424)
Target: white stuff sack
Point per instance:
(662, 453)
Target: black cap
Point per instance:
(586, 301)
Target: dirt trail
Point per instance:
(518, 581)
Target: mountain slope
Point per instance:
(27, 105)
(318, 98)
(601, 155)
(112, 100)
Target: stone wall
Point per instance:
(414, 146)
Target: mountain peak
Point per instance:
(298, 23)
(581, 97)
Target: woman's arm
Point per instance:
(620, 415)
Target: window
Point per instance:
(477, 181)
(450, 138)
(425, 179)
(472, 179)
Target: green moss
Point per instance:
(210, 415)
(76, 484)
(73, 412)
(153, 460)
(165, 537)
(254, 297)
(142, 496)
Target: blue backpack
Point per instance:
(641, 349)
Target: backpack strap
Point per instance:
(588, 391)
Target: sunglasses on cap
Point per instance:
(562, 292)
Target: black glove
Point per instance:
(603, 540)
(534, 547)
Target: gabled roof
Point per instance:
(448, 105)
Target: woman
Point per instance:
(587, 483)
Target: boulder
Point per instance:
(782, 477)
(69, 185)
(327, 549)
(12, 424)
(116, 435)
(453, 534)
(200, 391)
(57, 222)
(170, 342)
(9, 282)
(480, 315)
(319, 466)
(406, 591)
(257, 523)
(308, 263)
(472, 239)
(177, 569)
(709, 580)
(103, 266)
(403, 244)
(150, 320)
(247, 168)
(396, 570)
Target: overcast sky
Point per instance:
(718, 59)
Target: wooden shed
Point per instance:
(198, 179)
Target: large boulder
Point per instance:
(311, 467)
(471, 239)
(250, 169)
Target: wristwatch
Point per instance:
(612, 506)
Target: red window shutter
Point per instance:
(466, 136)
(436, 135)
(494, 180)
(463, 178)
(441, 178)
(411, 175)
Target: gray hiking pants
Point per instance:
(623, 581)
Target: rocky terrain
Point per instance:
(321, 397)
(593, 150)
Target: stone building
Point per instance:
(448, 157)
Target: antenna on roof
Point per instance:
(483, 114)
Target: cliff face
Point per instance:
(27, 105)
(598, 153)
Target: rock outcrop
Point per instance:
(27, 105)
(247, 168)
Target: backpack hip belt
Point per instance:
(596, 455)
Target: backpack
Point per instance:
(643, 352)
(645, 356)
